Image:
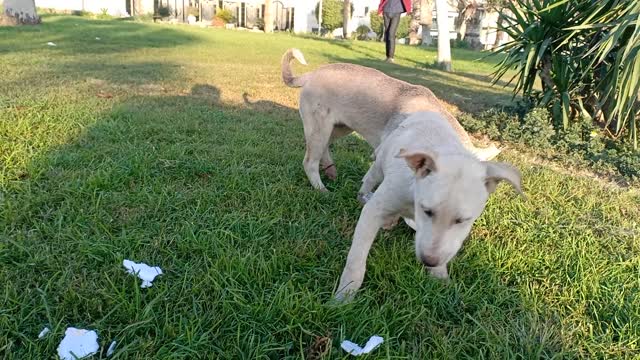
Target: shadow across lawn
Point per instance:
(468, 96)
(215, 194)
(469, 92)
(88, 54)
(77, 35)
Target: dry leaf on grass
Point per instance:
(104, 95)
(319, 348)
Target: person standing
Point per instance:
(391, 10)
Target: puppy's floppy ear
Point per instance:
(421, 162)
(498, 171)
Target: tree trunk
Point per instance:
(19, 12)
(138, 6)
(499, 32)
(346, 11)
(268, 17)
(414, 26)
(462, 31)
(460, 24)
(444, 47)
(466, 13)
(426, 20)
(320, 18)
(545, 73)
(473, 27)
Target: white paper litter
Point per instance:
(356, 350)
(51, 44)
(143, 271)
(97, 38)
(111, 349)
(44, 332)
(78, 343)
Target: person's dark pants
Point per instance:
(391, 22)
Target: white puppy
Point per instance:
(338, 99)
(425, 175)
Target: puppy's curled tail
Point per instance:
(287, 75)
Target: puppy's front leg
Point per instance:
(372, 178)
(371, 219)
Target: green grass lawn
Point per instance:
(140, 145)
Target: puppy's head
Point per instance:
(451, 192)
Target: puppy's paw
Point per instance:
(331, 172)
(347, 289)
(344, 296)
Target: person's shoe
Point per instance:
(389, 61)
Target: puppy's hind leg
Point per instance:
(317, 141)
(327, 163)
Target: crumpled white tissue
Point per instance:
(111, 349)
(78, 343)
(143, 271)
(44, 332)
(355, 349)
(51, 43)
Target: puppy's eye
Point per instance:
(429, 213)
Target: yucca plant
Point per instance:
(586, 55)
(616, 54)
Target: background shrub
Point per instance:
(164, 11)
(331, 14)
(362, 31)
(225, 15)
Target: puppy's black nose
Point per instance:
(429, 261)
